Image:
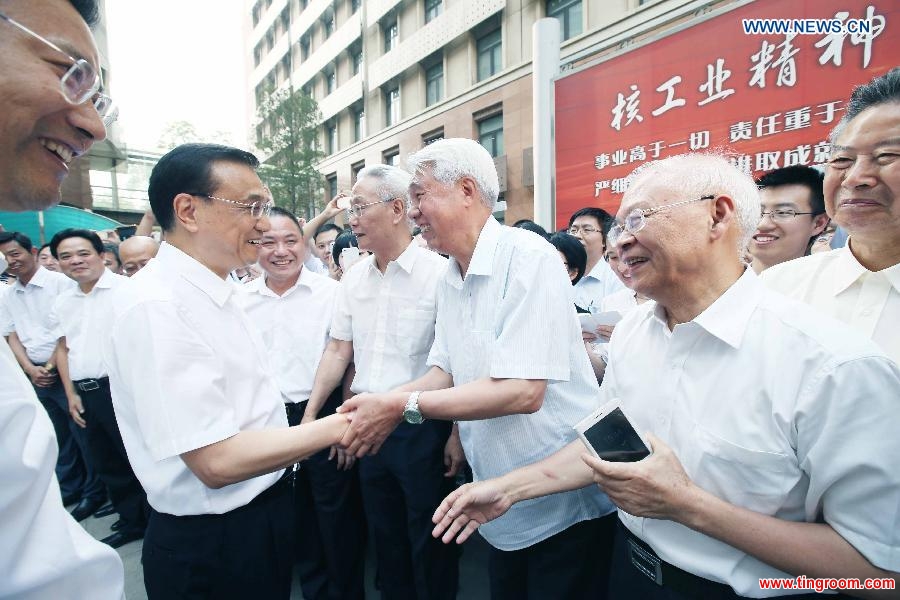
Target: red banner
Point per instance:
(765, 82)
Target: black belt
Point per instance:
(650, 565)
(90, 385)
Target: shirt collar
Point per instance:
(848, 270)
(482, 262)
(259, 284)
(39, 279)
(194, 272)
(105, 282)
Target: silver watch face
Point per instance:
(413, 417)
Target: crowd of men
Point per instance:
(257, 394)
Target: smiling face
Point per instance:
(45, 258)
(79, 260)
(21, 263)
(780, 240)
(862, 179)
(281, 251)
(324, 241)
(433, 211)
(40, 132)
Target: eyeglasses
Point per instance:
(258, 210)
(637, 219)
(356, 210)
(574, 229)
(781, 214)
(80, 83)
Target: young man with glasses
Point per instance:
(200, 412)
(45, 553)
(772, 427)
(589, 225)
(793, 215)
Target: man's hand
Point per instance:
(331, 209)
(474, 504)
(656, 487)
(308, 418)
(41, 377)
(605, 332)
(454, 457)
(76, 409)
(372, 418)
(345, 460)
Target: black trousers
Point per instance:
(244, 553)
(402, 485)
(573, 564)
(331, 525)
(107, 453)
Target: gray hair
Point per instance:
(881, 90)
(452, 159)
(699, 174)
(392, 182)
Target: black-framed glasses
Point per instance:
(356, 210)
(781, 214)
(637, 219)
(257, 209)
(574, 229)
(80, 83)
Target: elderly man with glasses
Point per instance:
(45, 121)
(199, 410)
(773, 428)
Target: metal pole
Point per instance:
(545, 66)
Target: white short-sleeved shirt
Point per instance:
(187, 369)
(769, 406)
(836, 284)
(294, 328)
(84, 321)
(512, 318)
(596, 285)
(27, 312)
(389, 317)
(44, 552)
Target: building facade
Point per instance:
(392, 75)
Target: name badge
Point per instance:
(645, 562)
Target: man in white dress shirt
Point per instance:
(45, 553)
(508, 363)
(859, 283)
(589, 225)
(196, 401)
(384, 324)
(772, 426)
(292, 307)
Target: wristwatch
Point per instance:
(412, 414)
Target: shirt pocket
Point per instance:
(755, 479)
(415, 331)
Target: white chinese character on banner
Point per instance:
(628, 108)
(797, 118)
(619, 157)
(599, 186)
(742, 130)
(656, 148)
(715, 80)
(767, 125)
(671, 101)
(828, 113)
(821, 153)
(762, 62)
(637, 154)
(766, 161)
(743, 162)
(673, 144)
(787, 66)
(619, 185)
(699, 140)
(601, 161)
(797, 156)
(833, 43)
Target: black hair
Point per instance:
(89, 11)
(65, 234)
(19, 238)
(327, 227)
(114, 248)
(604, 219)
(41, 249)
(530, 225)
(345, 239)
(573, 250)
(278, 211)
(187, 169)
(798, 175)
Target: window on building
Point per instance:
(432, 9)
(391, 156)
(270, 40)
(392, 106)
(303, 4)
(285, 66)
(359, 124)
(331, 180)
(355, 168)
(356, 59)
(569, 14)
(257, 11)
(391, 35)
(489, 50)
(285, 18)
(330, 81)
(490, 134)
(331, 141)
(434, 83)
(328, 24)
(432, 136)
(354, 6)
(304, 48)
(257, 55)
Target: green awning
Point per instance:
(55, 219)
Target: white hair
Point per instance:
(700, 174)
(452, 159)
(392, 182)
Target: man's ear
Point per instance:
(820, 222)
(185, 210)
(470, 190)
(722, 214)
